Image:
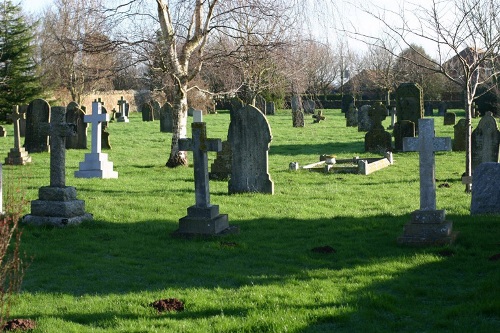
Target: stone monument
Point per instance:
(57, 204)
(486, 189)
(123, 117)
(17, 155)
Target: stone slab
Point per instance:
(197, 226)
(486, 189)
(66, 209)
(428, 216)
(58, 221)
(50, 193)
(210, 212)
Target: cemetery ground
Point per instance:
(320, 255)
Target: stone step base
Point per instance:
(199, 226)
(57, 221)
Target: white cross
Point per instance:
(96, 119)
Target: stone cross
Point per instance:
(200, 145)
(121, 105)
(426, 144)
(58, 132)
(15, 116)
(377, 114)
(96, 119)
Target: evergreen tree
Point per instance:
(19, 83)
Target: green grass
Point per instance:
(101, 276)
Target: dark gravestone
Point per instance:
(17, 155)
(459, 130)
(3, 132)
(166, 118)
(346, 102)
(57, 204)
(442, 108)
(37, 122)
(449, 118)
(249, 134)
(428, 225)
(352, 116)
(364, 122)
(297, 113)
(485, 141)
(260, 103)
(203, 218)
(22, 121)
(105, 144)
(377, 140)
(318, 117)
(428, 111)
(402, 129)
(270, 108)
(409, 103)
(221, 168)
(156, 109)
(486, 189)
(75, 115)
(147, 112)
(309, 106)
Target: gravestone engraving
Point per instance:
(37, 122)
(166, 118)
(297, 113)
(459, 141)
(57, 204)
(250, 135)
(486, 189)
(377, 140)
(364, 122)
(352, 116)
(449, 118)
(75, 115)
(123, 113)
(428, 225)
(17, 155)
(221, 168)
(409, 102)
(202, 218)
(485, 141)
(96, 164)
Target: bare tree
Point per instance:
(466, 34)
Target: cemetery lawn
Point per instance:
(102, 276)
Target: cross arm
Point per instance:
(185, 144)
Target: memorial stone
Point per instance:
(75, 115)
(459, 130)
(297, 113)
(37, 124)
(352, 116)
(156, 109)
(318, 117)
(221, 168)
(377, 140)
(449, 118)
(250, 135)
(17, 155)
(22, 121)
(403, 129)
(428, 225)
(346, 102)
(270, 108)
(442, 108)
(486, 189)
(147, 112)
(485, 141)
(123, 113)
(166, 118)
(309, 106)
(409, 103)
(428, 111)
(364, 122)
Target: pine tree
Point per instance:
(19, 83)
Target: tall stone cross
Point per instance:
(58, 132)
(121, 106)
(15, 116)
(96, 119)
(200, 145)
(427, 144)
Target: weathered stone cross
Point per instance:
(426, 144)
(58, 131)
(15, 116)
(200, 145)
(96, 119)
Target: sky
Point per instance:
(35, 6)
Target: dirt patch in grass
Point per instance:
(168, 304)
(495, 257)
(19, 325)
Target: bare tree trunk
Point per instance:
(468, 146)
(180, 115)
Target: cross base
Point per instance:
(427, 228)
(17, 156)
(203, 226)
(122, 119)
(96, 165)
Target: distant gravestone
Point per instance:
(377, 140)
(485, 141)
(57, 204)
(428, 225)
(270, 108)
(3, 132)
(318, 117)
(105, 143)
(22, 121)
(260, 103)
(364, 122)
(17, 155)
(459, 130)
(409, 102)
(403, 129)
(449, 118)
(96, 164)
(37, 124)
(428, 111)
(309, 106)
(203, 218)
(352, 116)
(250, 135)
(75, 115)
(147, 112)
(156, 109)
(166, 118)
(486, 189)
(297, 113)
(122, 111)
(346, 102)
(442, 108)
(221, 168)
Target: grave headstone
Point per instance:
(147, 112)
(485, 141)
(486, 189)
(377, 140)
(260, 103)
(122, 110)
(318, 117)
(57, 204)
(250, 135)
(203, 218)
(156, 109)
(96, 164)
(459, 130)
(309, 106)
(22, 121)
(17, 155)
(297, 113)
(166, 118)
(364, 122)
(221, 168)
(428, 225)
(346, 102)
(75, 115)
(352, 116)
(428, 111)
(37, 124)
(409, 102)
(449, 118)
(270, 108)
(403, 129)
(442, 108)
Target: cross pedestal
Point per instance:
(17, 155)
(96, 164)
(203, 218)
(57, 204)
(121, 109)
(428, 226)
